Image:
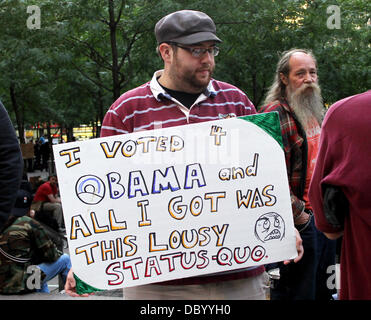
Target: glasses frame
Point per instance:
(198, 52)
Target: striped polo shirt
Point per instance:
(151, 107)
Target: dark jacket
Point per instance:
(11, 165)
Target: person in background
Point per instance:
(28, 153)
(340, 190)
(47, 198)
(37, 146)
(28, 257)
(11, 165)
(184, 92)
(45, 153)
(296, 96)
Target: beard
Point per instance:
(306, 102)
(191, 80)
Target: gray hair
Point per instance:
(277, 90)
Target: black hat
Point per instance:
(22, 203)
(186, 27)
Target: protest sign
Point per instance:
(178, 202)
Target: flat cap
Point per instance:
(186, 27)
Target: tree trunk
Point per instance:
(115, 67)
(69, 133)
(18, 113)
(101, 113)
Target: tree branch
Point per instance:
(97, 83)
(94, 54)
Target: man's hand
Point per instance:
(302, 218)
(54, 199)
(70, 286)
(299, 248)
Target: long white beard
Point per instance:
(306, 102)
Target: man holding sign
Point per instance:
(185, 93)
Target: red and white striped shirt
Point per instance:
(150, 107)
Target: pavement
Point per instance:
(106, 295)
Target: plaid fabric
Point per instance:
(296, 150)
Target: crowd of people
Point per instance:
(31, 241)
(326, 158)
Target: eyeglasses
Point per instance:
(198, 52)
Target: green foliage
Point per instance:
(87, 52)
(256, 32)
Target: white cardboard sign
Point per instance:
(172, 203)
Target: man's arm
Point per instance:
(334, 235)
(44, 246)
(53, 198)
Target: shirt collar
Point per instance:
(159, 93)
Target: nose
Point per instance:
(308, 78)
(207, 57)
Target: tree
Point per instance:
(21, 62)
(87, 52)
(254, 33)
(106, 34)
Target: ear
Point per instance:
(284, 79)
(165, 51)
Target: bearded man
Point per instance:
(296, 96)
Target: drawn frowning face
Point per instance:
(270, 226)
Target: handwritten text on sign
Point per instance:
(172, 203)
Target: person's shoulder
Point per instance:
(225, 91)
(350, 102)
(45, 187)
(347, 109)
(225, 86)
(143, 89)
(137, 92)
(28, 223)
(3, 112)
(23, 223)
(25, 220)
(130, 99)
(276, 105)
